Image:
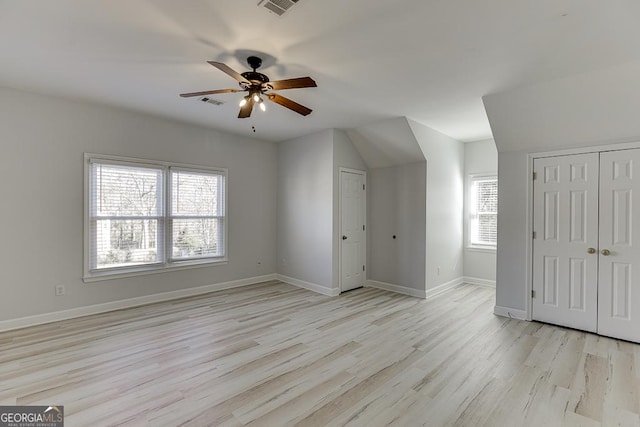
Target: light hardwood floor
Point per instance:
(273, 355)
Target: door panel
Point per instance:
(352, 228)
(618, 284)
(551, 216)
(577, 284)
(566, 226)
(578, 217)
(550, 281)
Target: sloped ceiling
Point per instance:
(598, 107)
(431, 61)
(387, 143)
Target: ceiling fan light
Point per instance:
(256, 97)
(262, 106)
(244, 101)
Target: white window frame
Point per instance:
(166, 261)
(170, 217)
(472, 215)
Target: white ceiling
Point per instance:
(429, 60)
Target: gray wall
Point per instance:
(511, 275)
(480, 157)
(41, 167)
(305, 208)
(445, 194)
(397, 206)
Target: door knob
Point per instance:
(591, 250)
(605, 252)
(344, 237)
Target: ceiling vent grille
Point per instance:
(279, 7)
(211, 100)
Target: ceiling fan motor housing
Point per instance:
(255, 77)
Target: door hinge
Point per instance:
(363, 186)
(533, 235)
(363, 228)
(535, 176)
(363, 268)
(533, 293)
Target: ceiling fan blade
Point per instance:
(209, 92)
(228, 70)
(286, 102)
(245, 110)
(300, 82)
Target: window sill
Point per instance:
(145, 270)
(485, 249)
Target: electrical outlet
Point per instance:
(60, 290)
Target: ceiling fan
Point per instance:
(258, 84)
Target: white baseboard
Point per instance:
(479, 282)
(444, 287)
(23, 322)
(510, 312)
(308, 285)
(418, 293)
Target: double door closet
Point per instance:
(586, 246)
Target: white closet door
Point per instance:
(565, 259)
(618, 283)
(352, 228)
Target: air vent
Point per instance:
(279, 7)
(211, 100)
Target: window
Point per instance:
(483, 211)
(146, 216)
(197, 215)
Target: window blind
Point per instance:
(126, 215)
(484, 211)
(197, 214)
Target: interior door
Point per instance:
(565, 258)
(352, 230)
(618, 283)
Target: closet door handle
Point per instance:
(591, 250)
(605, 252)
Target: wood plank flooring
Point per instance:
(274, 355)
